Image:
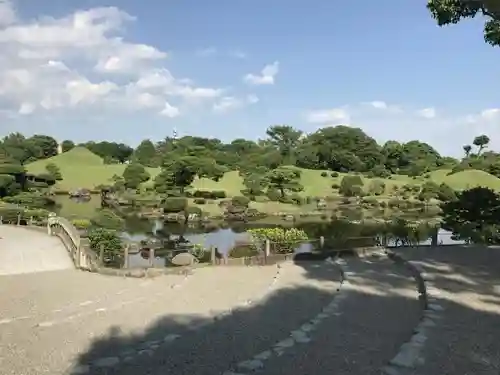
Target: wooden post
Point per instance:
(101, 254)
(1, 220)
(321, 242)
(268, 248)
(212, 255)
(151, 257)
(18, 219)
(31, 221)
(125, 256)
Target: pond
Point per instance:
(222, 236)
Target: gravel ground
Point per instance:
(48, 342)
(230, 339)
(465, 340)
(379, 312)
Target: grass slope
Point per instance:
(81, 168)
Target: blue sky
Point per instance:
(76, 69)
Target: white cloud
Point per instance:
(266, 76)
(170, 111)
(7, 13)
(228, 103)
(379, 104)
(329, 116)
(238, 54)
(78, 60)
(491, 114)
(427, 113)
(205, 52)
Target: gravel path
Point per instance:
(48, 341)
(466, 283)
(225, 340)
(377, 315)
(25, 251)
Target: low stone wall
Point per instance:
(409, 355)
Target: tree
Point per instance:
(145, 154)
(467, 150)
(285, 138)
(67, 145)
(351, 186)
(54, 171)
(284, 179)
(446, 193)
(474, 216)
(43, 146)
(134, 175)
(447, 12)
(481, 141)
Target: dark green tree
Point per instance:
(54, 171)
(67, 145)
(145, 154)
(134, 175)
(286, 139)
(447, 12)
(474, 216)
(285, 179)
(481, 141)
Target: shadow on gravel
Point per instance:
(193, 344)
(461, 269)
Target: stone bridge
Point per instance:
(412, 311)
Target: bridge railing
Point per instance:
(83, 257)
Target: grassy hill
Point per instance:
(81, 168)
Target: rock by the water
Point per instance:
(184, 259)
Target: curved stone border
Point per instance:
(409, 355)
(300, 335)
(149, 347)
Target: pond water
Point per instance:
(223, 238)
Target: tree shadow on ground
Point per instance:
(378, 320)
(461, 270)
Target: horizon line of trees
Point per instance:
(339, 148)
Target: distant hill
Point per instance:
(81, 168)
(77, 156)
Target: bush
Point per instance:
(287, 200)
(108, 219)
(112, 244)
(240, 201)
(242, 250)
(193, 210)
(335, 174)
(335, 186)
(200, 201)
(273, 194)
(377, 187)
(206, 194)
(174, 204)
(283, 240)
(219, 194)
(351, 186)
(81, 223)
(297, 199)
(324, 174)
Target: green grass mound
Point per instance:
(472, 178)
(79, 156)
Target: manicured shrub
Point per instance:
(273, 194)
(200, 201)
(335, 174)
(174, 204)
(324, 174)
(240, 200)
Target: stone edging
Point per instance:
(299, 335)
(149, 347)
(409, 355)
